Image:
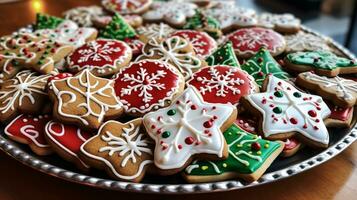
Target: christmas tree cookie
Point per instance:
(44, 21)
(202, 22)
(249, 157)
(322, 62)
(223, 56)
(263, 64)
(117, 29)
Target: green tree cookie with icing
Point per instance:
(263, 64)
(322, 62)
(223, 56)
(44, 21)
(205, 23)
(249, 157)
(117, 29)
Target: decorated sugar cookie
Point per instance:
(263, 64)
(66, 141)
(58, 76)
(223, 84)
(25, 93)
(342, 92)
(84, 15)
(127, 6)
(322, 62)
(203, 44)
(84, 100)
(340, 117)
(123, 150)
(189, 127)
(285, 111)
(282, 23)
(117, 29)
(224, 55)
(173, 13)
(134, 21)
(249, 157)
(30, 130)
(103, 57)
(176, 51)
(248, 41)
(158, 31)
(148, 85)
(302, 41)
(136, 46)
(203, 22)
(291, 147)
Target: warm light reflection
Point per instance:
(37, 5)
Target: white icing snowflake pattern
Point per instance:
(155, 31)
(251, 38)
(98, 52)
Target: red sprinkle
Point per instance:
(207, 124)
(312, 113)
(293, 120)
(194, 107)
(189, 140)
(255, 146)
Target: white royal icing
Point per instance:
(287, 21)
(159, 31)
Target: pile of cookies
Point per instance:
(205, 89)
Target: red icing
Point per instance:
(29, 128)
(291, 143)
(136, 46)
(59, 76)
(203, 44)
(339, 113)
(211, 91)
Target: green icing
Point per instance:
(320, 59)
(44, 21)
(242, 158)
(263, 64)
(223, 56)
(117, 29)
(202, 22)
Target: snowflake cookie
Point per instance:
(84, 100)
(25, 93)
(285, 111)
(123, 150)
(158, 31)
(224, 55)
(282, 23)
(223, 84)
(27, 129)
(66, 141)
(202, 43)
(127, 6)
(342, 92)
(84, 15)
(321, 62)
(248, 41)
(302, 41)
(176, 51)
(173, 13)
(103, 57)
(187, 128)
(249, 157)
(148, 85)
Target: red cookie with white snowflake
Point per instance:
(66, 141)
(30, 130)
(148, 85)
(127, 6)
(103, 57)
(223, 84)
(247, 41)
(203, 44)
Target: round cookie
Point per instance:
(158, 31)
(136, 46)
(127, 6)
(103, 57)
(247, 42)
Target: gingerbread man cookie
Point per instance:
(158, 31)
(117, 29)
(30, 130)
(248, 41)
(224, 55)
(148, 85)
(302, 41)
(187, 128)
(123, 150)
(84, 100)
(127, 6)
(83, 15)
(103, 57)
(282, 23)
(223, 84)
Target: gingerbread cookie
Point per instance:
(158, 31)
(342, 92)
(66, 141)
(249, 157)
(103, 57)
(127, 6)
(291, 147)
(321, 62)
(248, 41)
(282, 23)
(148, 85)
(340, 117)
(302, 41)
(58, 76)
(263, 64)
(27, 129)
(189, 127)
(203, 22)
(117, 29)
(173, 13)
(223, 84)
(25, 93)
(176, 51)
(224, 55)
(284, 111)
(123, 150)
(84, 15)
(84, 100)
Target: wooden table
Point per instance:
(336, 179)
